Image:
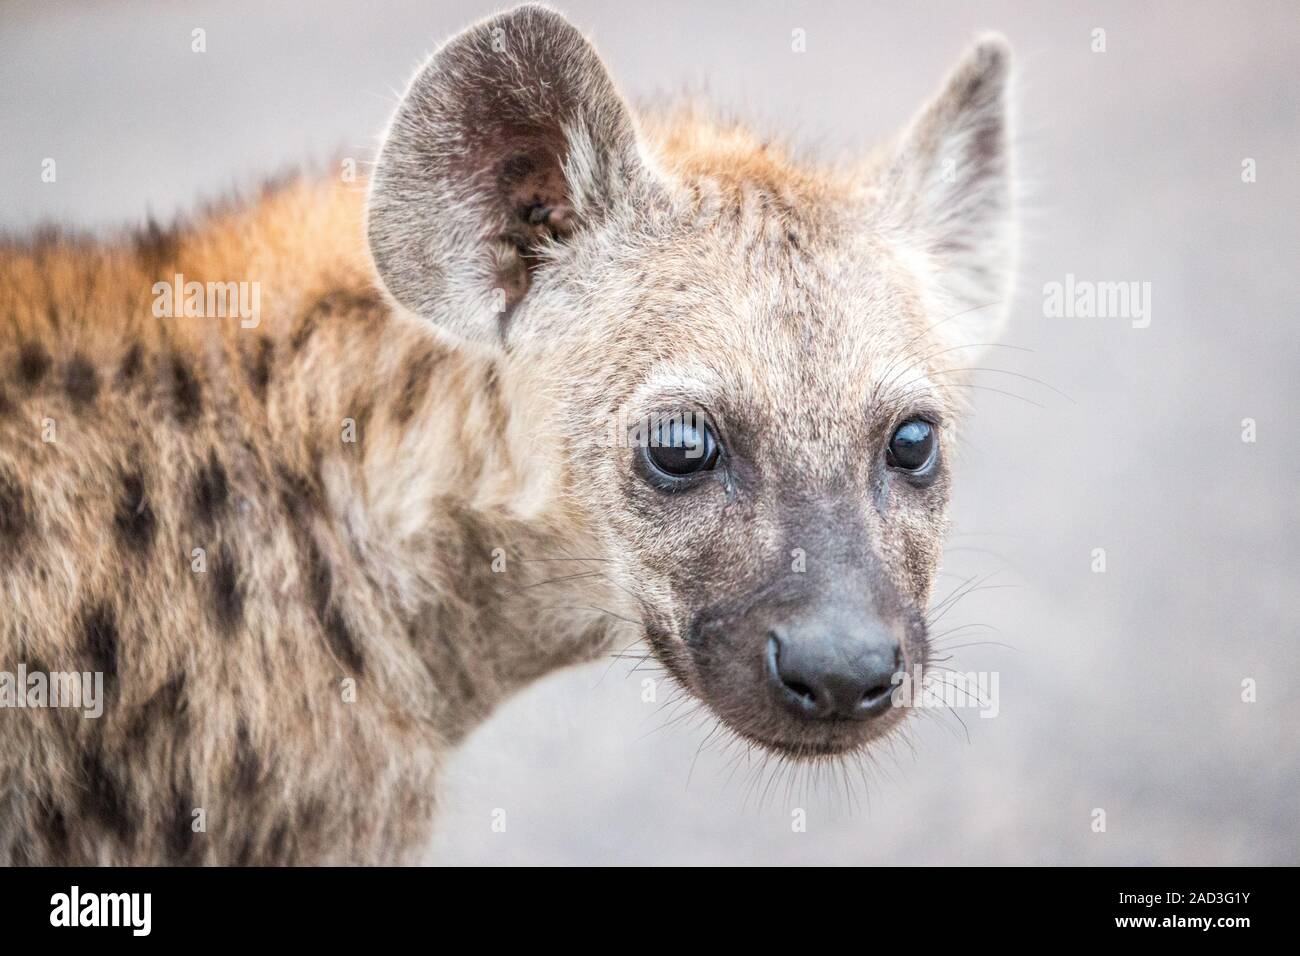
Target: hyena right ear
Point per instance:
(949, 193)
(508, 140)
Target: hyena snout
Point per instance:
(825, 666)
(811, 672)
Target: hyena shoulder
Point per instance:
(169, 487)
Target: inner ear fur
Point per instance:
(510, 138)
(949, 191)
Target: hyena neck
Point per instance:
(382, 478)
(433, 479)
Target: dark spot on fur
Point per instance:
(299, 495)
(369, 304)
(339, 302)
(306, 329)
(20, 855)
(320, 580)
(6, 406)
(157, 248)
(180, 826)
(227, 594)
(165, 708)
(99, 630)
(257, 367)
(248, 765)
(14, 519)
(185, 391)
(135, 520)
(343, 641)
(211, 491)
(791, 238)
(413, 385)
(35, 663)
(180, 831)
(320, 583)
(129, 370)
(80, 380)
(52, 824)
(312, 814)
(33, 363)
(170, 698)
(104, 798)
(307, 325)
(278, 846)
(497, 407)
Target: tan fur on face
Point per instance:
(366, 603)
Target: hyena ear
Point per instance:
(949, 192)
(509, 139)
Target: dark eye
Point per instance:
(912, 446)
(678, 446)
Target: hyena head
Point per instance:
(748, 368)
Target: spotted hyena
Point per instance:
(560, 377)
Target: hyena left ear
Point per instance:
(948, 192)
(508, 140)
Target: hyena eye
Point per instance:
(679, 446)
(912, 446)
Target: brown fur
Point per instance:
(472, 537)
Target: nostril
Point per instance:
(878, 689)
(803, 690)
(873, 694)
(816, 678)
(796, 692)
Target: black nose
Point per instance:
(823, 677)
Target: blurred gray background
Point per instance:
(1119, 690)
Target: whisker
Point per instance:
(926, 331)
(557, 580)
(957, 647)
(988, 587)
(983, 388)
(1002, 371)
(533, 560)
(935, 638)
(919, 360)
